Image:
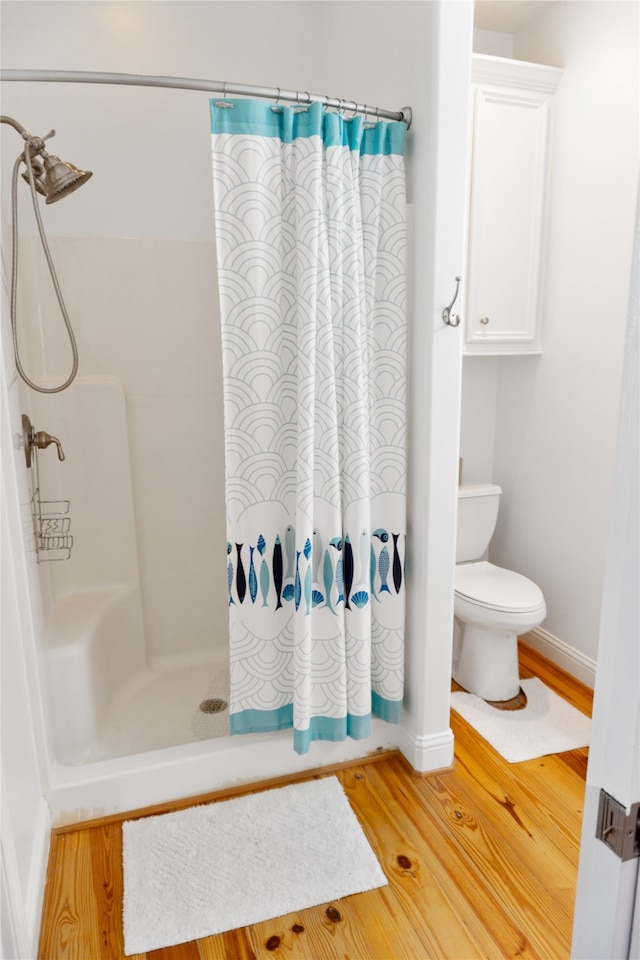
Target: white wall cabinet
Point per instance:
(507, 201)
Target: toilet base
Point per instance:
(486, 662)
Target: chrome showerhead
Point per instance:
(53, 178)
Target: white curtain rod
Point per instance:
(211, 86)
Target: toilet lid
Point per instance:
(490, 586)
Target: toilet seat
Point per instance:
(484, 585)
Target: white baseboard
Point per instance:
(427, 754)
(581, 667)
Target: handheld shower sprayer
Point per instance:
(50, 177)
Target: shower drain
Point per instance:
(213, 705)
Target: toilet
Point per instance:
(492, 606)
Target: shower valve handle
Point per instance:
(42, 440)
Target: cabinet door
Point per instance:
(505, 229)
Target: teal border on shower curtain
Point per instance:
(320, 728)
(265, 119)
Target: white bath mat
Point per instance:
(548, 724)
(201, 871)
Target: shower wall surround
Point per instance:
(146, 316)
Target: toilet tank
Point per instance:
(477, 515)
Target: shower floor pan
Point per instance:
(167, 705)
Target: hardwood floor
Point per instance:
(481, 862)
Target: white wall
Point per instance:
(556, 415)
(149, 148)
(492, 43)
(478, 420)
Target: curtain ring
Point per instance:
(278, 97)
(223, 103)
(355, 109)
(308, 97)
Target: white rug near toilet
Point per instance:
(548, 724)
(219, 866)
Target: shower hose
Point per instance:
(26, 156)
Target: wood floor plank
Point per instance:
(362, 925)
(106, 865)
(224, 946)
(182, 951)
(548, 780)
(71, 930)
(543, 794)
(481, 873)
(430, 905)
(529, 841)
(530, 858)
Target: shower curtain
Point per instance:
(310, 218)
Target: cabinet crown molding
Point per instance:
(514, 73)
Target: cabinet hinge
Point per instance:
(619, 830)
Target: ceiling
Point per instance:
(507, 16)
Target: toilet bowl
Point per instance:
(492, 606)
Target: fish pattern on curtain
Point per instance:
(310, 219)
